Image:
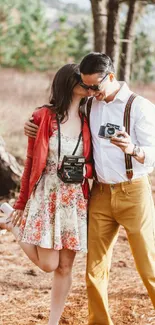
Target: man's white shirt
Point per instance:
(109, 159)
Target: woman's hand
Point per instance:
(30, 129)
(16, 217)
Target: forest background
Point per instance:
(39, 36)
(44, 34)
(36, 38)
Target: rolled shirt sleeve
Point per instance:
(145, 130)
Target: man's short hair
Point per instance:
(96, 62)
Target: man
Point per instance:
(117, 196)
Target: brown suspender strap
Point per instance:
(128, 158)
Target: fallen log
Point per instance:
(10, 171)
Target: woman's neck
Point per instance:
(74, 107)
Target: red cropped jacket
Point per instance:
(37, 152)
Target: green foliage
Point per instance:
(69, 44)
(143, 59)
(23, 35)
(27, 42)
(81, 48)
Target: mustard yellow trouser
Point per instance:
(129, 204)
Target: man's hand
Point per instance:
(125, 144)
(123, 141)
(16, 217)
(30, 129)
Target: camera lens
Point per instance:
(111, 131)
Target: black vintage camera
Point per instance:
(71, 170)
(109, 130)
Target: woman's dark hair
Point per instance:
(96, 62)
(63, 84)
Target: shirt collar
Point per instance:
(123, 93)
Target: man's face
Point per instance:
(97, 84)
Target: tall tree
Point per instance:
(127, 43)
(113, 31)
(106, 31)
(99, 11)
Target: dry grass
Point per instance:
(20, 94)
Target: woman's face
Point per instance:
(79, 91)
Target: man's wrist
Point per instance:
(136, 151)
(133, 150)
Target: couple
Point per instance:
(50, 217)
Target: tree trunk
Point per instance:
(127, 42)
(99, 11)
(10, 171)
(113, 32)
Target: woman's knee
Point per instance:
(49, 267)
(66, 260)
(64, 269)
(48, 259)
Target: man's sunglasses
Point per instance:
(93, 87)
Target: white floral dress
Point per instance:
(56, 214)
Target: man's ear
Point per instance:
(111, 76)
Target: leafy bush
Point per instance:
(27, 42)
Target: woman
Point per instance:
(52, 215)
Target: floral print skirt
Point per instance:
(56, 214)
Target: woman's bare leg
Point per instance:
(49, 260)
(62, 281)
(46, 259)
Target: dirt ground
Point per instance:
(24, 289)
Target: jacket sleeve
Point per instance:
(89, 170)
(24, 187)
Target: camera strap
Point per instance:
(59, 137)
